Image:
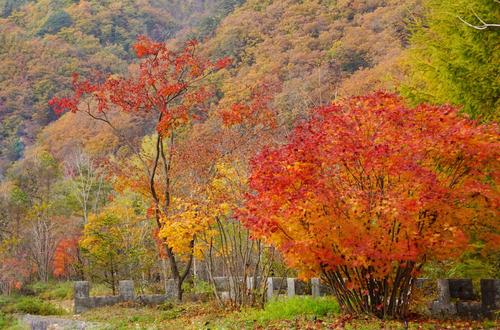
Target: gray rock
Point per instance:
(36, 322)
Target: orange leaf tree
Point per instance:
(367, 190)
(168, 87)
(65, 257)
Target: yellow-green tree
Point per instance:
(454, 57)
(117, 242)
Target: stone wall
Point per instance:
(295, 287)
(276, 286)
(455, 297)
(126, 293)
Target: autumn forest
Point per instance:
(273, 164)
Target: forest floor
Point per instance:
(208, 316)
(282, 315)
(52, 305)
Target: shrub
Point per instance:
(31, 305)
(369, 190)
(4, 300)
(5, 320)
(38, 287)
(62, 290)
(53, 291)
(197, 287)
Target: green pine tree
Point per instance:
(453, 62)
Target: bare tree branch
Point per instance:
(483, 25)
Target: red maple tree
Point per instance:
(169, 87)
(368, 190)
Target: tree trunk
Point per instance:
(177, 277)
(359, 292)
(179, 292)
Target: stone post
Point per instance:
(126, 290)
(82, 296)
(82, 289)
(315, 287)
(490, 295)
(444, 291)
(290, 286)
(250, 283)
(270, 288)
(443, 306)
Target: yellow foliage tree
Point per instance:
(117, 242)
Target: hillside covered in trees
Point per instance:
(44, 42)
(174, 142)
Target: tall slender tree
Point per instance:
(170, 88)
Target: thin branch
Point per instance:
(484, 25)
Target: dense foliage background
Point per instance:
(77, 194)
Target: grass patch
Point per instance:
(100, 289)
(53, 290)
(28, 305)
(116, 317)
(5, 320)
(295, 313)
(277, 311)
(65, 290)
(290, 308)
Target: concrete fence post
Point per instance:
(270, 288)
(82, 296)
(490, 295)
(315, 287)
(250, 283)
(443, 306)
(444, 291)
(126, 290)
(290, 284)
(82, 289)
